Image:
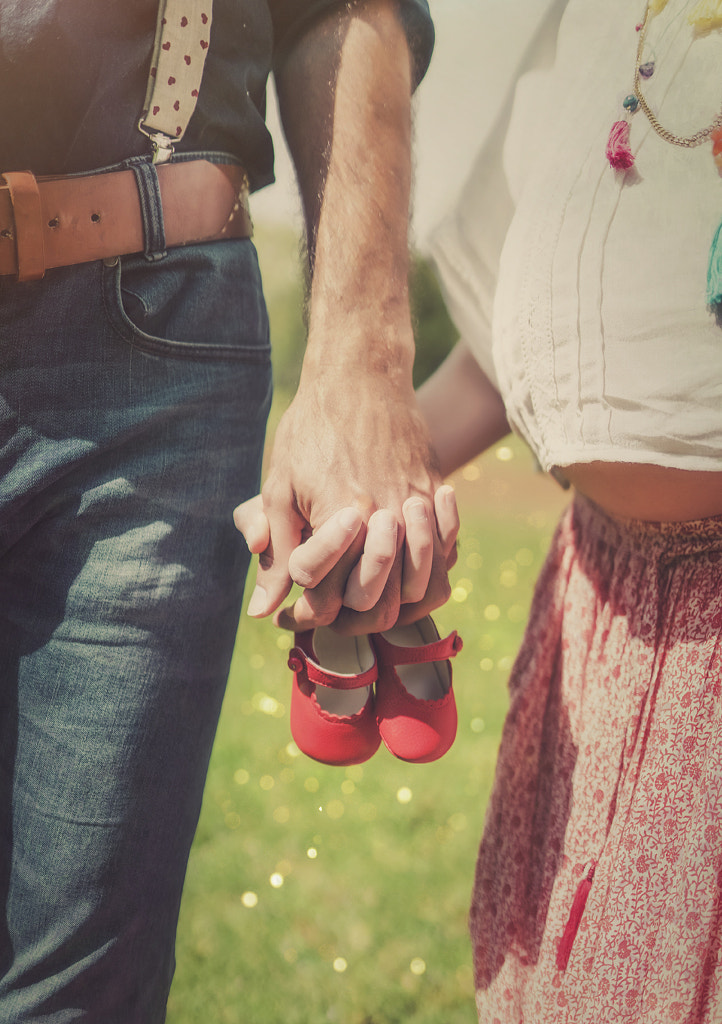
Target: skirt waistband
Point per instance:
(652, 540)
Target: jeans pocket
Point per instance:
(199, 302)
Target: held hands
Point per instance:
(363, 566)
(318, 557)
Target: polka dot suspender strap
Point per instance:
(181, 44)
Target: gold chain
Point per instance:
(689, 141)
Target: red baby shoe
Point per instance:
(415, 705)
(333, 717)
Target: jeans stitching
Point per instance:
(137, 338)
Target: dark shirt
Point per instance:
(73, 75)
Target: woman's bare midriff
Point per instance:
(648, 492)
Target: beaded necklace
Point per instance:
(705, 16)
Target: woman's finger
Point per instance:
(447, 521)
(368, 578)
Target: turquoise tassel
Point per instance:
(714, 277)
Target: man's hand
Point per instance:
(314, 563)
(353, 435)
(363, 445)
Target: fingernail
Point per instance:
(448, 494)
(349, 519)
(384, 519)
(258, 602)
(417, 510)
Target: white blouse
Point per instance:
(582, 290)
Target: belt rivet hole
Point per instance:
(95, 217)
(54, 223)
(6, 233)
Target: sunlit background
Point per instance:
(320, 894)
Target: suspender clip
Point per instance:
(162, 144)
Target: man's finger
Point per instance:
(315, 558)
(251, 521)
(321, 605)
(273, 581)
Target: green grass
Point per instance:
(321, 894)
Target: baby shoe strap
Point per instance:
(438, 650)
(300, 662)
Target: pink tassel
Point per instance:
(619, 153)
(581, 896)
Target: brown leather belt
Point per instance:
(59, 221)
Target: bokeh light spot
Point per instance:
(458, 822)
(404, 795)
(241, 777)
(368, 812)
(465, 979)
(417, 966)
(339, 965)
(276, 880)
(249, 899)
(508, 578)
(267, 704)
(461, 590)
(471, 472)
(492, 612)
(335, 809)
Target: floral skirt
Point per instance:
(597, 895)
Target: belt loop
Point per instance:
(151, 209)
(28, 217)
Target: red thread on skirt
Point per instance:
(566, 942)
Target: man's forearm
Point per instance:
(345, 103)
(353, 434)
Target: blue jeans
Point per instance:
(133, 400)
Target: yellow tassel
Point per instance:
(656, 6)
(706, 15)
